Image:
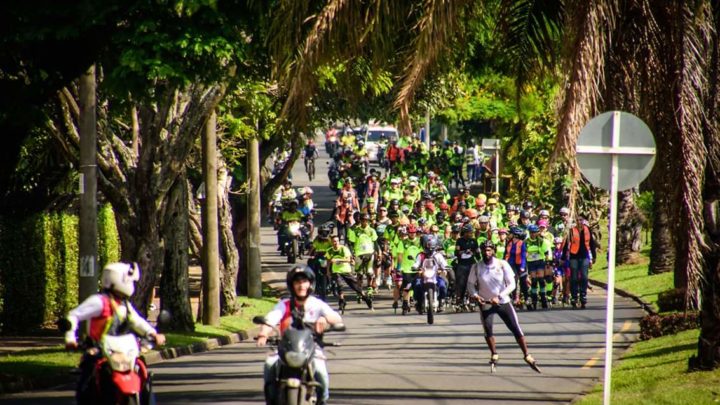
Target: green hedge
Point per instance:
(39, 266)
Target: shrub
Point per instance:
(671, 300)
(108, 239)
(652, 326)
(39, 261)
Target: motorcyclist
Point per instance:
(317, 260)
(108, 312)
(432, 251)
(304, 307)
(290, 213)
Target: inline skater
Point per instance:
(490, 283)
(577, 249)
(341, 260)
(362, 237)
(539, 252)
(516, 256)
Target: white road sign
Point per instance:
(615, 151)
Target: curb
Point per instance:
(646, 306)
(152, 357)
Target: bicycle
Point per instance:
(310, 168)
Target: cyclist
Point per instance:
(310, 153)
(490, 283)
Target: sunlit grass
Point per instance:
(655, 372)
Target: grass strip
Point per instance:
(655, 372)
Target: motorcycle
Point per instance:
(120, 375)
(334, 176)
(294, 379)
(428, 273)
(292, 246)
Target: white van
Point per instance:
(373, 135)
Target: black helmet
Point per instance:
(517, 231)
(511, 208)
(528, 204)
(468, 228)
(440, 216)
(426, 196)
(429, 242)
(394, 201)
(487, 244)
(524, 214)
(365, 216)
(456, 228)
(298, 272)
(324, 231)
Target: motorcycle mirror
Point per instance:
(164, 318)
(259, 320)
(63, 325)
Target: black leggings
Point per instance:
(506, 313)
(349, 279)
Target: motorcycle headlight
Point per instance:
(120, 361)
(295, 359)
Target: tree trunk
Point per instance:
(211, 251)
(629, 231)
(174, 285)
(137, 184)
(229, 256)
(708, 356)
(662, 250)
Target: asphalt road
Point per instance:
(387, 358)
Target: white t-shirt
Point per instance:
(492, 280)
(314, 309)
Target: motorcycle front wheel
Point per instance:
(430, 302)
(292, 252)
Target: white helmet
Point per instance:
(121, 277)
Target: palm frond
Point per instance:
(436, 26)
(530, 32)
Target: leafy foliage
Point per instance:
(40, 261)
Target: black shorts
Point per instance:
(407, 280)
(506, 313)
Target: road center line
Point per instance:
(601, 351)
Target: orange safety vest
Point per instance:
(575, 239)
(518, 251)
(98, 327)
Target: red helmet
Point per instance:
(412, 228)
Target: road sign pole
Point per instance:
(610, 313)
